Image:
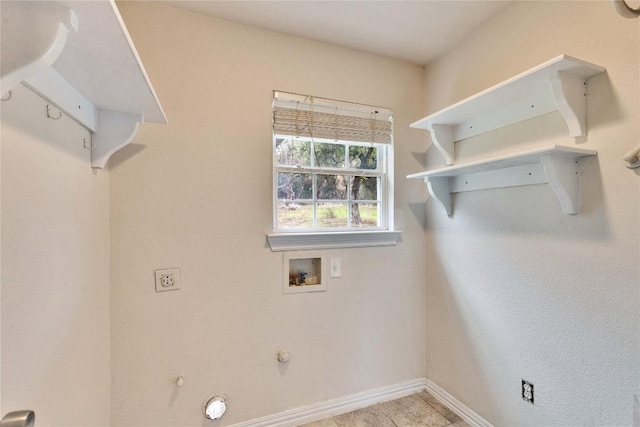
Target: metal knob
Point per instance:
(19, 419)
(284, 356)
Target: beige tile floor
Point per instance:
(417, 410)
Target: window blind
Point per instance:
(313, 117)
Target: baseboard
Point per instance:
(342, 405)
(456, 406)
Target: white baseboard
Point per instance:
(342, 405)
(456, 406)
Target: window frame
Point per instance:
(381, 172)
(283, 239)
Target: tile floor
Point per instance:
(417, 410)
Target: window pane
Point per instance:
(292, 186)
(295, 215)
(363, 157)
(330, 155)
(332, 215)
(365, 214)
(293, 151)
(331, 187)
(364, 187)
(330, 178)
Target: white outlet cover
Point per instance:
(335, 267)
(167, 279)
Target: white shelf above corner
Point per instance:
(555, 165)
(556, 85)
(79, 56)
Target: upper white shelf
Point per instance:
(556, 85)
(79, 56)
(555, 165)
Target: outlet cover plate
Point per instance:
(335, 267)
(167, 279)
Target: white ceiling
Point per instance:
(413, 31)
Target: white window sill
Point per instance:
(332, 240)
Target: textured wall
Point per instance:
(516, 289)
(196, 194)
(55, 269)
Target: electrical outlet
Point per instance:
(167, 279)
(335, 265)
(527, 391)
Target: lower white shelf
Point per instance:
(555, 165)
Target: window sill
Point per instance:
(345, 239)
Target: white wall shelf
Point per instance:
(555, 165)
(79, 56)
(556, 85)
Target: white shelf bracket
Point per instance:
(28, 49)
(562, 176)
(440, 190)
(115, 130)
(443, 139)
(570, 93)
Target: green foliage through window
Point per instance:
(328, 185)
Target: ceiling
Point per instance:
(413, 31)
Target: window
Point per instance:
(332, 166)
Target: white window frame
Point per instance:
(327, 238)
(314, 170)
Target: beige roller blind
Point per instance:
(313, 117)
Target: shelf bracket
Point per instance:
(115, 130)
(562, 175)
(443, 139)
(440, 190)
(570, 93)
(28, 49)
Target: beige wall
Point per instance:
(55, 269)
(196, 194)
(516, 289)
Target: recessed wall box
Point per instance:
(303, 273)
